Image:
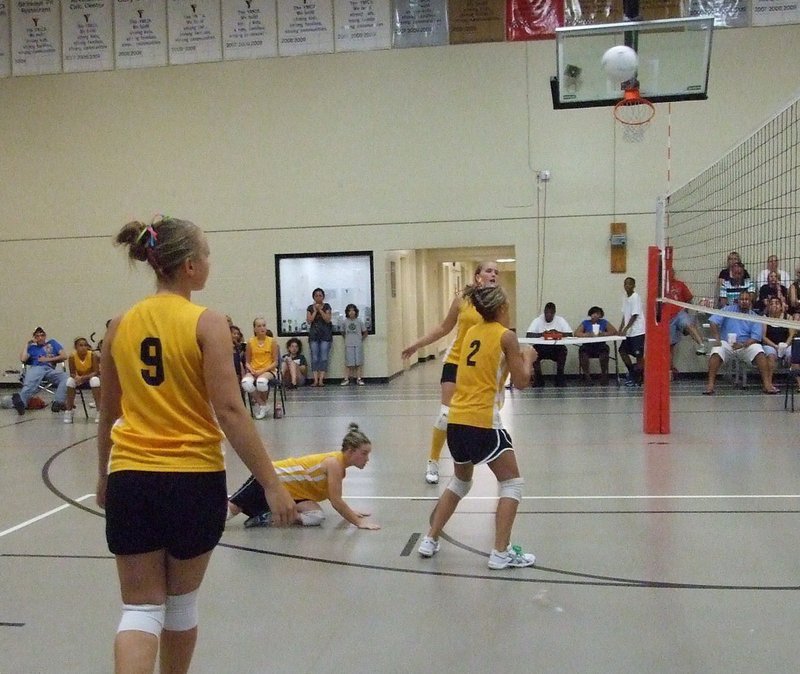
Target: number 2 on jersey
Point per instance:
(475, 345)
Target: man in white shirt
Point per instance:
(549, 326)
(772, 265)
(632, 327)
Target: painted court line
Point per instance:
(41, 517)
(643, 497)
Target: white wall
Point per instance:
(389, 151)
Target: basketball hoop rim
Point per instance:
(632, 97)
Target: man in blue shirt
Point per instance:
(738, 339)
(40, 356)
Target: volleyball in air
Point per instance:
(620, 63)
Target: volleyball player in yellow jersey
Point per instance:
(475, 433)
(309, 480)
(261, 362)
(167, 380)
(83, 365)
(462, 315)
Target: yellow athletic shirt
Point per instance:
(167, 424)
(261, 354)
(467, 317)
(83, 367)
(304, 477)
(480, 382)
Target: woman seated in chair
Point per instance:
(597, 350)
(261, 365)
(294, 366)
(84, 372)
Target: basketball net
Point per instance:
(634, 113)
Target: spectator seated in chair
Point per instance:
(84, 372)
(599, 350)
(777, 339)
(40, 357)
(742, 339)
(549, 326)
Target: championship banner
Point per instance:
(533, 19)
(87, 35)
(726, 13)
(35, 37)
(5, 40)
(420, 23)
(775, 12)
(194, 31)
(476, 21)
(140, 33)
(305, 27)
(362, 25)
(249, 29)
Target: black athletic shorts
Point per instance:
(250, 498)
(182, 513)
(633, 346)
(470, 444)
(449, 371)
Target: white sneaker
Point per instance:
(345, 382)
(429, 547)
(513, 557)
(97, 418)
(432, 473)
(261, 411)
(701, 350)
(68, 414)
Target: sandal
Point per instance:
(771, 392)
(708, 392)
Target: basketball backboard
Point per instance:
(674, 58)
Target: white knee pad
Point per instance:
(71, 382)
(248, 384)
(262, 383)
(94, 382)
(181, 612)
(312, 518)
(142, 618)
(512, 488)
(441, 420)
(459, 487)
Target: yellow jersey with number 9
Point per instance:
(167, 423)
(480, 382)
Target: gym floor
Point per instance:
(673, 553)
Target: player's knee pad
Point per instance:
(512, 488)
(181, 612)
(441, 420)
(248, 385)
(459, 487)
(94, 382)
(142, 618)
(262, 383)
(312, 518)
(71, 382)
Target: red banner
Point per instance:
(533, 19)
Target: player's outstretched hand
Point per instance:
(369, 525)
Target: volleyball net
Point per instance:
(744, 205)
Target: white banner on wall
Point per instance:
(194, 31)
(774, 12)
(35, 37)
(305, 27)
(363, 25)
(420, 23)
(5, 40)
(249, 29)
(140, 33)
(87, 35)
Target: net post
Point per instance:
(656, 404)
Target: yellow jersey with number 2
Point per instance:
(167, 423)
(480, 382)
